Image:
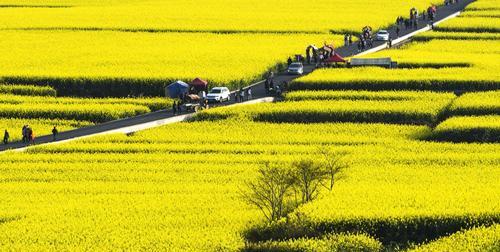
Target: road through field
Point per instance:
(166, 116)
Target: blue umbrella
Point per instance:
(177, 88)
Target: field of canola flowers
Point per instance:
(167, 187)
(141, 46)
(177, 187)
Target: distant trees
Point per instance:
(277, 190)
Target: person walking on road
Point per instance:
(6, 137)
(179, 107)
(25, 134)
(174, 108)
(54, 133)
(397, 31)
(249, 94)
(289, 61)
(30, 134)
(242, 95)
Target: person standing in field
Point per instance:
(6, 137)
(54, 133)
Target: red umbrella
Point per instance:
(199, 84)
(336, 58)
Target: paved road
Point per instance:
(257, 89)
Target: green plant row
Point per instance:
(27, 90)
(468, 129)
(92, 113)
(434, 85)
(481, 103)
(365, 107)
(151, 103)
(481, 239)
(389, 231)
(335, 242)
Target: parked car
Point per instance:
(295, 68)
(382, 35)
(219, 94)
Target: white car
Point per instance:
(382, 35)
(219, 94)
(295, 68)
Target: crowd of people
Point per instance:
(273, 88)
(365, 39)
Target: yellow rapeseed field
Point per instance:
(179, 187)
(210, 15)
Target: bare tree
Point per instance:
(270, 190)
(333, 166)
(309, 176)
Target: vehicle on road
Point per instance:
(382, 35)
(295, 68)
(219, 94)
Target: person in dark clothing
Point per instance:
(25, 134)
(285, 85)
(54, 133)
(30, 135)
(415, 23)
(289, 61)
(6, 137)
(179, 108)
(266, 87)
(389, 43)
(236, 96)
(397, 31)
(174, 108)
(350, 39)
(407, 24)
